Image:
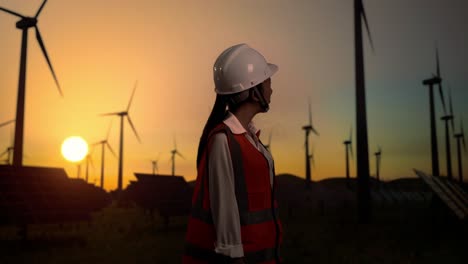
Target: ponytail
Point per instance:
(218, 113)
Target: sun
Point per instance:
(74, 148)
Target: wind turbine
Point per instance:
(103, 144)
(447, 118)
(348, 148)
(9, 149)
(308, 128)
(435, 80)
(89, 160)
(8, 153)
(155, 164)
(377, 162)
(173, 153)
(460, 137)
(122, 115)
(24, 24)
(363, 190)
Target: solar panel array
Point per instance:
(39, 195)
(169, 195)
(449, 192)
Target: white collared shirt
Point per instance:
(221, 187)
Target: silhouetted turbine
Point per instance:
(348, 147)
(103, 144)
(363, 190)
(460, 137)
(89, 160)
(24, 24)
(154, 163)
(173, 153)
(435, 80)
(448, 151)
(377, 163)
(308, 128)
(122, 115)
(9, 150)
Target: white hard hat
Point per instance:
(239, 68)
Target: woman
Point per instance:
(234, 215)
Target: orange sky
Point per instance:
(100, 48)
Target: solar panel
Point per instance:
(443, 191)
(37, 195)
(169, 195)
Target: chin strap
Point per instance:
(263, 103)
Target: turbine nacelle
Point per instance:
(432, 81)
(26, 22)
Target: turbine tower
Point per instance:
(122, 115)
(377, 163)
(173, 153)
(363, 190)
(446, 118)
(24, 24)
(308, 128)
(103, 144)
(460, 137)
(348, 149)
(431, 82)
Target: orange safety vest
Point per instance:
(261, 230)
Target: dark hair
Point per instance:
(218, 113)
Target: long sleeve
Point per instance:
(223, 199)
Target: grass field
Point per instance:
(128, 235)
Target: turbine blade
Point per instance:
(175, 143)
(178, 153)
(351, 149)
(44, 51)
(11, 12)
(438, 75)
(110, 148)
(5, 152)
(437, 61)
(40, 9)
(107, 114)
(315, 131)
(351, 134)
(133, 128)
(441, 92)
(363, 13)
(310, 113)
(131, 98)
(7, 122)
(451, 109)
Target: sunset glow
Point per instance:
(74, 149)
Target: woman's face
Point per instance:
(267, 91)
